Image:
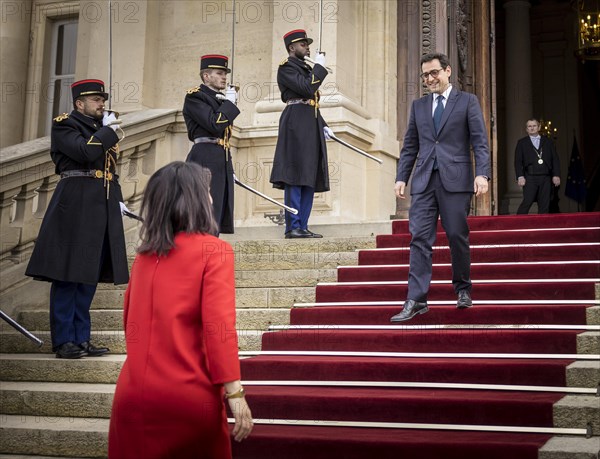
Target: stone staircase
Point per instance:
(54, 407)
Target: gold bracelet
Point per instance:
(237, 394)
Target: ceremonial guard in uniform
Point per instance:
(209, 116)
(537, 168)
(81, 240)
(300, 163)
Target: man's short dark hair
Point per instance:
(533, 119)
(444, 61)
(203, 71)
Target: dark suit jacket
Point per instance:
(461, 126)
(526, 159)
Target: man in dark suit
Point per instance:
(441, 128)
(537, 168)
(209, 115)
(81, 240)
(300, 162)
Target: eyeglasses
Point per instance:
(433, 73)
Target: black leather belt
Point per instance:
(214, 140)
(92, 173)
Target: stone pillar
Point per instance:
(518, 92)
(16, 20)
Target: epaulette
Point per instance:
(283, 62)
(62, 117)
(193, 90)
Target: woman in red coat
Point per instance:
(179, 314)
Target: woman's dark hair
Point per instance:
(176, 199)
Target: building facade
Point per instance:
(518, 56)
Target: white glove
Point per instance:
(231, 94)
(110, 119)
(327, 132)
(123, 207)
(220, 96)
(320, 59)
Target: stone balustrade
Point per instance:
(27, 181)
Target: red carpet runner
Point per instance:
(527, 270)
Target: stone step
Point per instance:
(588, 342)
(577, 411)
(81, 437)
(593, 315)
(284, 278)
(273, 297)
(21, 456)
(105, 369)
(583, 374)
(267, 278)
(259, 297)
(285, 247)
(299, 260)
(95, 401)
(45, 367)
(14, 342)
(52, 399)
(567, 447)
(112, 319)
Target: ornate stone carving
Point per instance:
(462, 40)
(428, 18)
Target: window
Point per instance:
(62, 69)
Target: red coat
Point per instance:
(179, 318)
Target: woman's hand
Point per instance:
(243, 418)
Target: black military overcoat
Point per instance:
(80, 218)
(207, 116)
(301, 154)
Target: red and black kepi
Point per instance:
(88, 88)
(295, 36)
(214, 61)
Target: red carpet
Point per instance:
(487, 271)
(503, 237)
(485, 314)
(481, 291)
(299, 442)
(518, 282)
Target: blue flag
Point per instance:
(575, 188)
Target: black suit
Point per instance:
(538, 177)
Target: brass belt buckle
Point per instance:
(98, 174)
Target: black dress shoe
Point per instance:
(411, 309)
(464, 300)
(297, 233)
(69, 351)
(315, 235)
(91, 350)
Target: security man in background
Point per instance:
(209, 116)
(300, 163)
(81, 240)
(537, 168)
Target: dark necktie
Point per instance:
(437, 118)
(437, 113)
